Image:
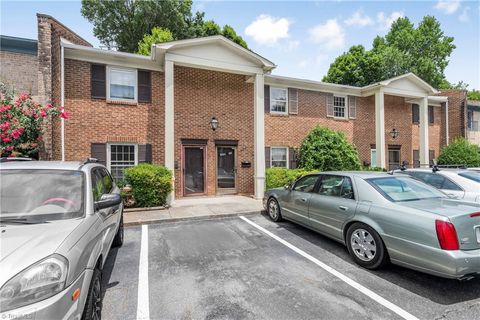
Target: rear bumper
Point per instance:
(466, 263)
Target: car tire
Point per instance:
(273, 210)
(93, 305)
(366, 247)
(118, 240)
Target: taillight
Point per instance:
(447, 236)
(476, 214)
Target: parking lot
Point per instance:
(252, 268)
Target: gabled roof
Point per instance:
(266, 64)
(409, 76)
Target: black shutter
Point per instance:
(292, 155)
(144, 86)
(144, 153)
(267, 157)
(431, 118)
(99, 151)
(98, 81)
(415, 113)
(266, 97)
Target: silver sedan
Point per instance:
(385, 218)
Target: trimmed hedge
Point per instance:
(460, 152)
(278, 177)
(150, 183)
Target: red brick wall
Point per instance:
(98, 121)
(201, 95)
(19, 70)
(457, 115)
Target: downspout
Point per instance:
(446, 122)
(62, 98)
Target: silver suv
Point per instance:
(58, 221)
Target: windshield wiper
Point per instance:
(19, 221)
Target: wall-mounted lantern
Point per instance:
(394, 133)
(214, 123)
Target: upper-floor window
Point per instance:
(121, 84)
(278, 100)
(339, 107)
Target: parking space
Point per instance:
(239, 269)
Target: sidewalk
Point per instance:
(196, 208)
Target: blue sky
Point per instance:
(302, 38)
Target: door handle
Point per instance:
(303, 199)
(343, 208)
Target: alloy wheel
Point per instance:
(363, 245)
(97, 300)
(273, 209)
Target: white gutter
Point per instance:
(62, 98)
(446, 122)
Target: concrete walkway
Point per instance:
(196, 208)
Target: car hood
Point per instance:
(446, 207)
(21, 245)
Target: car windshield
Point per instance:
(471, 175)
(399, 189)
(41, 195)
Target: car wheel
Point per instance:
(365, 246)
(93, 305)
(118, 240)
(273, 209)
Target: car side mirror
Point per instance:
(288, 186)
(108, 200)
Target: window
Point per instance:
(339, 107)
(306, 184)
(373, 158)
(279, 157)
(120, 157)
(415, 113)
(469, 119)
(278, 100)
(101, 183)
(474, 176)
(336, 186)
(431, 113)
(122, 84)
(435, 180)
(397, 189)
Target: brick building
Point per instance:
(211, 111)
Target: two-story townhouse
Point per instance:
(211, 111)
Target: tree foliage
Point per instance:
(473, 95)
(157, 35)
(123, 24)
(460, 152)
(325, 150)
(423, 50)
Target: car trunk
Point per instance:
(463, 215)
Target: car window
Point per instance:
(306, 184)
(106, 180)
(404, 189)
(474, 176)
(450, 185)
(336, 186)
(98, 188)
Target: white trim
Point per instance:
(62, 99)
(286, 105)
(123, 69)
(109, 151)
(287, 154)
(346, 111)
(380, 128)
(169, 134)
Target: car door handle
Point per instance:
(303, 199)
(343, 208)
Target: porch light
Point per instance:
(214, 123)
(394, 133)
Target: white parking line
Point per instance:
(143, 307)
(369, 293)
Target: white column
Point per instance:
(380, 128)
(424, 156)
(259, 137)
(169, 124)
(62, 97)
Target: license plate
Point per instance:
(477, 232)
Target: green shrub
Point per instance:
(278, 177)
(328, 150)
(460, 152)
(151, 184)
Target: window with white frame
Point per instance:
(373, 158)
(278, 100)
(122, 84)
(340, 106)
(121, 157)
(279, 157)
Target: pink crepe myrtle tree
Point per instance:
(21, 123)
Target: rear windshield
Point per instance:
(398, 189)
(474, 176)
(41, 195)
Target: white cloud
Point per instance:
(358, 18)
(329, 34)
(303, 64)
(385, 21)
(268, 30)
(464, 17)
(448, 6)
